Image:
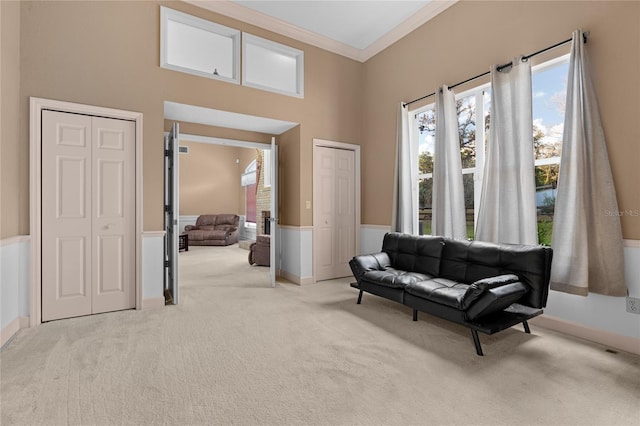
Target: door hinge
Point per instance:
(167, 153)
(167, 208)
(167, 263)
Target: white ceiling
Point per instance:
(356, 29)
(355, 23)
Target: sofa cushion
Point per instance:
(439, 290)
(200, 235)
(206, 228)
(206, 220)
(225, 228)
(469, 261)
(393, 278)
(414, 253)
(227, 219)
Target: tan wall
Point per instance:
(247, 155)
(465, 40)
(209, 179)
(14, 197)
(107, 54)
(244, 155)
(70, 51)
(288, 169)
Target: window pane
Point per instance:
(549, 97)
(197, 46)
(272, 66)
(466, 110)
(426, 140)
(198, 49)
(546, 184)
(486, 98)
(467, 183)
(425, 192)
(549, 87)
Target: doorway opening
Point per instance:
(248, 177)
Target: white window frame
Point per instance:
(266, 165)
(298, 55)
(167, 15)
(478, 170)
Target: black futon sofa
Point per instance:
(484, 286)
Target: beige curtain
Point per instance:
(404, 216)
(448, 192)
(587, 238)
(507, 212)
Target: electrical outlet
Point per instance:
(633, 305)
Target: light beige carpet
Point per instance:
(238, 352)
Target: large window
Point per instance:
(473, 108)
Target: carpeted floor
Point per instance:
(236, 351)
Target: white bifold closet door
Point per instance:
(88, 215)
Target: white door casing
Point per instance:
(38, 195)
(336, 219)
(275, 229)
(171, 212)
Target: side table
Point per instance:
(183, 242)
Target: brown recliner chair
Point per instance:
(213, 230)
(260, 251)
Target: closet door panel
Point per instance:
(66, 215)
(113, 225)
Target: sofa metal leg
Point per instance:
(415, 315)
(360, 297)
(526, 327)
(476, 341)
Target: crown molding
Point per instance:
(422, 16)
(259, 19)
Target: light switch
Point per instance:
(308, 204)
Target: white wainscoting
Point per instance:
(296, 254)
(602, 313)
(15, 280)
(371, 238)
(14, 286)
(153, 269)
(186, 220)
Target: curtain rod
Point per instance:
(501, 67)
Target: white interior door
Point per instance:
(88, 215)
(275, 232)
(172, 212)
(334, 212)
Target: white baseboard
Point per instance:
(153, 303)
(606, 338)
(9, 331)
(294, 278)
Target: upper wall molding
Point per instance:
(278, 26)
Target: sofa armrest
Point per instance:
(496, 299)
(190, 228)
(369, 262)
(478, 288)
